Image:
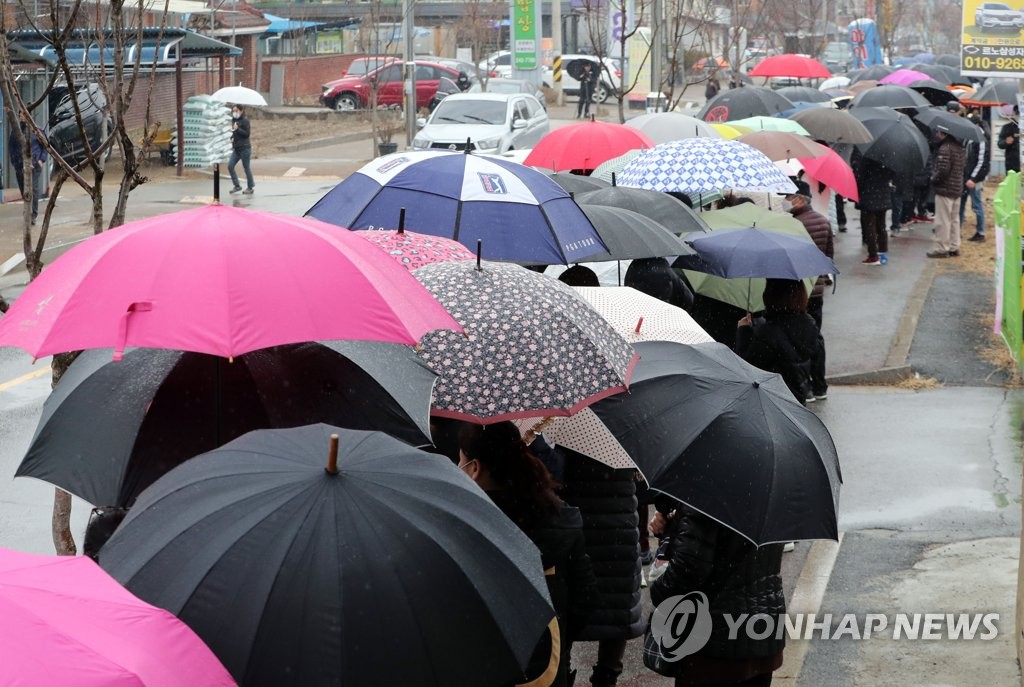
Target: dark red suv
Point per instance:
(353, 92)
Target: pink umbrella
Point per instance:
(223, 281)
(832, 170)
(903, 77)
(412, 250)
(66, 622)
(585, 146)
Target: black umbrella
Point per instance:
(729, 440)
(889, 95)
(391, 568)
(740, 103)
(110, 429)
(943, 74)
(575, 183)
(630, 235)
(875, 72)
(939, 119)
(897, 145)
(667, 211)
(933, 91)
(995, 90)
(574, 68)
(804, 94)
(948, 60)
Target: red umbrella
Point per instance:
(791, 65)
(832, 170)
(585, 146)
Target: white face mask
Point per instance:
(786, 205)
(236, 114)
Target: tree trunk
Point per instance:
(60, 523)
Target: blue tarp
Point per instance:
(283, 24)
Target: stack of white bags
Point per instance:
(207, 132)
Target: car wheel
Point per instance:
(346, 102)
(601, 93)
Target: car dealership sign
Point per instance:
(991, 43)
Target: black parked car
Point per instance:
(65, 135)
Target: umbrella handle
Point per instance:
(639, 323)
(332, 456)
(531, 434)
(122, 334)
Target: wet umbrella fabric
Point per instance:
(889, 96)
(729, 440)
(872, 73)
(519, 213)
(585, 146)
(897, 145)
(413, 250)
(295, 576)
(66, 622)
(630, 235)
(240, 95)
(939, 119)
(902, 77)
(574, 68)
(804, 94)
(662, 127)
(639, 317)
(933, 91)
(779, 145)
(996, 91)
(696, 165)
(832, 126)
(199, 281)
(533, 347)
(109, 429)
(752, 252)
(575, 183)
(738, 103)
(667, 211)
(798, 66)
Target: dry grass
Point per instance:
(919, 383)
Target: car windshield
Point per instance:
(367, 65)
(471, 112)
(502, 86)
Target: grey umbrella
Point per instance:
(804, 94)
(667, 211)
(872, 73)
(574, 183)
(389, 567)
(889, 95)
(996, 90)
(630, 235)
(109, 429)
(832, 126)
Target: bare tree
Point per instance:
(112, 31)
(478, 29)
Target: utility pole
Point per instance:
(409, 29)
(556, 45)
(657, 49)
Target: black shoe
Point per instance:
(842, 228)
(247, 192)
(236, 189)
(954, 254)
(977, 238)
(939, 254)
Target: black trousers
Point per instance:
(819, 387)
(872, 226)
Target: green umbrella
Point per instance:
(744, 293)
(771, 124)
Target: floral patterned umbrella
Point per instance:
(414, 250)
(532, 346)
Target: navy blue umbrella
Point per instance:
(755, 253)
(520, 214)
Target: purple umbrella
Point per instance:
(904, 77)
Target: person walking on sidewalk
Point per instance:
(1009, 141)
(820, 231)
(979, 157)
(948, 180)
(874, 183)
(39, 157)
(241, 149)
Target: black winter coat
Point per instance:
(874, 183)
(782, 342)
(820, 231)
(656, 278)
(240, 134)
(736, 576)
(979, 157)
(607, 501)
(1010, 150)
(573, 587)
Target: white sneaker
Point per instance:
(787, 548)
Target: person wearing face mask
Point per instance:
(496, 458)
(241, 149)
(820, 231)
(1009, 142)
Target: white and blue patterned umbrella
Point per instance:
(517, 212)
(704, 165)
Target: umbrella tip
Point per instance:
(479, 253)
(613, 179)
(469, 142)
(757, 385)
(332, 457)
(401, 220)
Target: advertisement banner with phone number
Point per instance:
(991, 42)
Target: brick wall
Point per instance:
(304, 76)
(163, 105)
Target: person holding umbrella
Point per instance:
(497, 459)
(786, 340)
(948, 181)
(241, 149)
(586, 79)
(820, 231)
(1009, 141)
(874, 183)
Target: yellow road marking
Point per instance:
(25, 378)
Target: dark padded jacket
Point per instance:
(1011, 150)
(736, 576)
(948, 176)
(820, 230)
(782, 342)
(240, 135)
(606, 498)
(873, 184)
